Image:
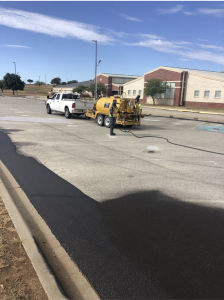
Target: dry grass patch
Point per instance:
(29, 90)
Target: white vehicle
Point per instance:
(69, 104)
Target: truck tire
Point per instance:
(48, 109)
(100, 119)
(67, 113)
(107, 121)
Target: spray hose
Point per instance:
(160, 137)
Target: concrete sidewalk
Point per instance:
(182, 113)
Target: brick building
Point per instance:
(188, 87)
(114, 82)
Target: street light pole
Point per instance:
(95, 69)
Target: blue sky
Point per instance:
(54, 38)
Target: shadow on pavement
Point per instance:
(145, 245)
(180, 245)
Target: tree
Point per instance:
(101, 88)
(72, 81)
(80, 89)
(2, 85)
(63, 83)
(56, 81)
(154, 88)
(13, 82)
(39, 83)
(30, 80)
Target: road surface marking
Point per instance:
(211, 128)
(33, 120)
(72, 125)
(152, 120)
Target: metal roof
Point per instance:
(119, 75)
(202, 72)
(74, 85)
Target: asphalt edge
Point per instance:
(10, 192)
(43, 272)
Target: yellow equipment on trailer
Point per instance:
(127, 111)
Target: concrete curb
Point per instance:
(185, 110)
(44, 274)
(33, 230)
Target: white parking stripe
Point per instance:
(152, 120)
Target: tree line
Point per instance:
(153, 87)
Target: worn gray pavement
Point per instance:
(140, 223)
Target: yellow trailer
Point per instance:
(127, 111)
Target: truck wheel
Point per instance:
(100, 120)
(67, 113)
(48, 109)
(107, 121)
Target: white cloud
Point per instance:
(51, 26)
(179, 49)
(130, 18)
(151, 36)
(211, 47)
(210, 11)
(170, 10)
(184, 59)
(189, 13)
(16, 46)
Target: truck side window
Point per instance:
(58, 96)
(54, 96)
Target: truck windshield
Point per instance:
(70, 96)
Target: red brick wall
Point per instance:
(107, 81)
(166, 75)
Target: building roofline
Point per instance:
(118, 75)
(142, 77)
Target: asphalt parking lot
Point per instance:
(105, 168)
(160, 191)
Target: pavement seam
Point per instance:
(33, 230)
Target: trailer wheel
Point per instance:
(67, 113)
(107, 121)
(100, 120)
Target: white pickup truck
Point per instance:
(69, 104)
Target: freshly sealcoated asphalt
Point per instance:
(144, 245)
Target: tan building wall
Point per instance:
(134, 85)
(202, 84)
(162, 101)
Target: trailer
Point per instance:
(128, 111)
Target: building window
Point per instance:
(134, 92)
(169, 94)
(206, 94)
(140, 92)
(129, 92)
(196, 94)
(217, 94)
